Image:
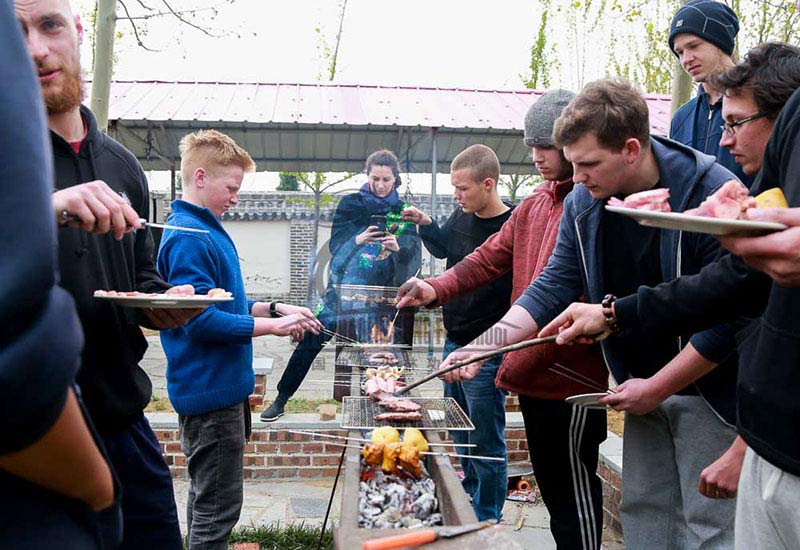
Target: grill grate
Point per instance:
(438, 413)
(359, 357)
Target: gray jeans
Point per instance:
(768, 512)
(663, 454)
(214, 447)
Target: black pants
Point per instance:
(149, 515)
(563, 442)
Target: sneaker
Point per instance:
(273, 412)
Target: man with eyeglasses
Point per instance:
(762, 113)
(702, 35)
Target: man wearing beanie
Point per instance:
(563, 439)
(702, 35)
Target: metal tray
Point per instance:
(438, 413)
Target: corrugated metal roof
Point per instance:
(328, 126)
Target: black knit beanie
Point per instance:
(710, 20)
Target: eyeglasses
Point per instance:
(730, 127)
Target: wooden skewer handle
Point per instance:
(475, 359)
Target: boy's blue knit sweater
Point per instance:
(210, 359)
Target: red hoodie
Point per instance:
(524, 245)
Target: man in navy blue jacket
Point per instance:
(56, 488)
(702, 35)
(604, 132)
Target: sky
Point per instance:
(445, 43)
(451, 43)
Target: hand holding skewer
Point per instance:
(415, 293)
(580, 323)
(461, 359)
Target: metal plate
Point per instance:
(165, 301)
(697, 224)
(358, 413)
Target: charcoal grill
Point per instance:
(453, 503)
(438, 413)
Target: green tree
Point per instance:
(540, 56)
(516, 183)
(288, 182)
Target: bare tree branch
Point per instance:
(182, 19)
(135, 30)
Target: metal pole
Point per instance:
(432, 270)
(172, 183)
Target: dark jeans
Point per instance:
(485, 404)
(304, 354)
(563, 442)
(213, 443)
(149, 515)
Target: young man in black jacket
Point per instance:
(101, 182)
(761, 270)
(481, 213)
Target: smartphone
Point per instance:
(378, 221)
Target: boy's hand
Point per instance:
(311, 323)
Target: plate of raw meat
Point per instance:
(164, 301)
(722, 213)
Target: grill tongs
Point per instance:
(475, 359)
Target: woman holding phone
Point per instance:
(370, 244)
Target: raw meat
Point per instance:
(729, 202)
(399, 416)
(655, 199)
(388, 401)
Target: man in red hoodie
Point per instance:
(563, 439)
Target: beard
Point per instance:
(69, 96)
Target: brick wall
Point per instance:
(612, 491)
(300, 234)
(275, 454)
(272, 453)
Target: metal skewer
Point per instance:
(396, 313)
(67, 217)
(475, 359)
(579, 378)
(455, 455)
(330, 333)
(365, 440)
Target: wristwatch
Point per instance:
(273, 308)
(608, 312)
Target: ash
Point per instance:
(387, 501)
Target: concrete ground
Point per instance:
(287, 502)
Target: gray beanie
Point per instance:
(542, 115)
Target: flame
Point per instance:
(378, 336)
